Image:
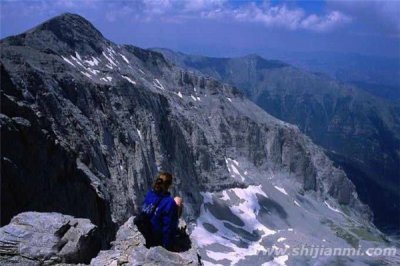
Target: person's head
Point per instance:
(163, 181)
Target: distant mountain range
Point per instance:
(378, 75)
(359, 131)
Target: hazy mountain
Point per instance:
(360, 132)
(378, 75)
(86, 124)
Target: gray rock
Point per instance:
(129, 249)
(360, 132)
(35, 238)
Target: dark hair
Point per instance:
(167, 175)
(158, 180)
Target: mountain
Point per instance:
(360, 132)
(86, 124)
(378, 75)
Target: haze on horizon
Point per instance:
(224, 28)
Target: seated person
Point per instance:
(163, 211)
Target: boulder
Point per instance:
(33, 238)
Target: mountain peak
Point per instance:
(71, 29)
(261, 62)
(70, 25)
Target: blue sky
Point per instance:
(227, 28)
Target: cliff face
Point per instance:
(86, 124)
(359, 131)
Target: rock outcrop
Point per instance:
(129, 248)
(34, 238)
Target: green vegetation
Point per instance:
(366, 234)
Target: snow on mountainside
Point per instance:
(86, 124)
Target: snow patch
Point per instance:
(93, 62)
(125, 59)
(109, 59)
(333, 209)
(207, 263)
(158, 84)
(281, 260)
(77, 61)
(69, 62)
(93, 71)
(180, 94)
(232, 166)
(281, 239)
(86, 74)
(229, 99)
(128, 79)
(78, 56)
(295, 202)
(194, 98)
(139, 133)
(215, 255)
(246, 210)
(282, 190)
(111, 51)
(225, 196)
(109, 78)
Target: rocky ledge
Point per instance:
(129, 249)
(34, 238)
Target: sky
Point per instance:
(227, 27)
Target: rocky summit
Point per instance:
(86, 124)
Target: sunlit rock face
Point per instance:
(359, 132)
(86, 125)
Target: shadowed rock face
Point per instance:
(39, 173)
(360, 132)
(92, 125)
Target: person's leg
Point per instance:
(179, 203)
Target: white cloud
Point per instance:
(171, 11)
(382, 14)
(328, 22)
(282, 16)
(158, 6)
(113, 14)
(201, 5)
